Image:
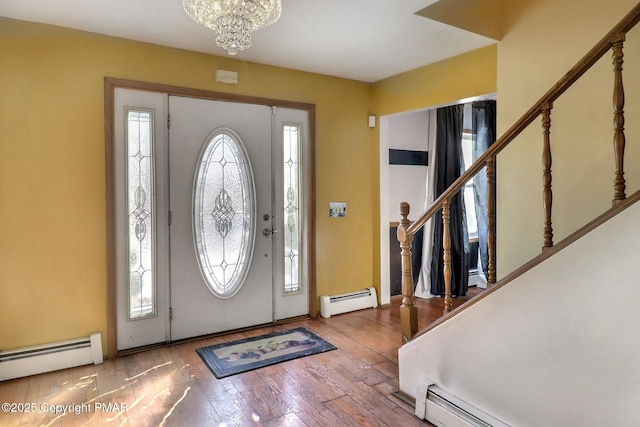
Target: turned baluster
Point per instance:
(408, 310)
(446, 245)
(491, 218)
(618, 119)
(546, 175)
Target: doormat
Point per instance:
(247, 354)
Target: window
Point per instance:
(140, 209)
(224, 213)
(292, 233)
(469, 194)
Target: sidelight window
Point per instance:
(140, 209)
(292, 201)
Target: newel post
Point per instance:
(408, 311)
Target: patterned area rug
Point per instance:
(257, 352)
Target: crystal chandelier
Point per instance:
(233, 20)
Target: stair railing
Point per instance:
(614, 41)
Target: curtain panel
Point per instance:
(484, 135)
(449, 166)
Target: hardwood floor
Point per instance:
(171, 386)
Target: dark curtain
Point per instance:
(449, 166)
(484, 135)
(416, 255)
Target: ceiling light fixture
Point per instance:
(233, 20)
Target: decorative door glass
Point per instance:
(292, 232)
(224, 213)
(140, 208)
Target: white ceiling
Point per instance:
(365, 40)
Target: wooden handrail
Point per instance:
(614, 39)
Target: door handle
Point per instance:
(267, 231)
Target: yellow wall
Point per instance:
(463, 76)
(543, 40)
(52, 173)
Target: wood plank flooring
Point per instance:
(171, 386)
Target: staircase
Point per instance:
(545, 346)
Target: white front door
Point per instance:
(211, 230)
(221, 255)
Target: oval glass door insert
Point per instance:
(224, 207)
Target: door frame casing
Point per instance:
(110, 84)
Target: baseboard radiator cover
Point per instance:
(473, 278)
(50, 357)
(351, 301)
(445, 410)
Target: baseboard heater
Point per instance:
(445, 410)
(50, 357)
(351, 301)
(473, 278)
